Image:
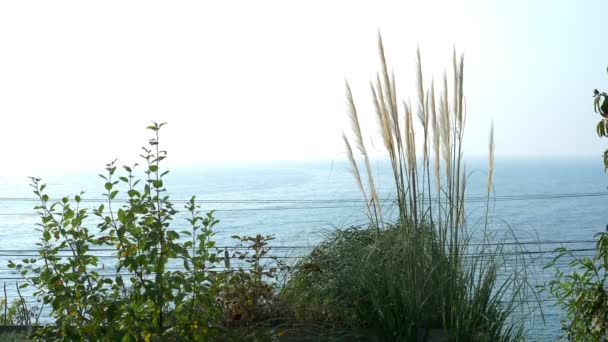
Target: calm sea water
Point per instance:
(540, 200)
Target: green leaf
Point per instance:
(172, 235)
(153, 168)
(157, 183)
(122, 217)
(133, 193)
(113, 194)
(24, 285)
(604, 106)
(108, 186)
(124, 179)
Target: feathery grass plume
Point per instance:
(383, 119)
(436, 139)
(463, 186)
(411, 135)
(377, 209)
(389, 99)
(394, 105)
(388, 89)
(456, 88)
(387, 92)
(420, 83)
(387, 128)
(461, 114)
(490, 177)
(446, 137)
(386, 96)
(437, 161)
(410, 153)
(400, 181)
(423, 116)
(422, 110)
(426, 171)
(356, 173)
(446, 142)
(490, 160)
(461, 111)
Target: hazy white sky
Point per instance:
(249, 80)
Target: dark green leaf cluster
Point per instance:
(600, 105)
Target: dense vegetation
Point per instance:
(423, 275)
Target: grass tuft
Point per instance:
(427, 272)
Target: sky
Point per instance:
(264, 80)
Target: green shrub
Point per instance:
(250, 295)
(139, 297)
(19, 313)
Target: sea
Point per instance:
(544, 203)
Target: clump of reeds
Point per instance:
(421, 272)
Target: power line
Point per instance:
(337, 200)
(67, 255)
(293, 247)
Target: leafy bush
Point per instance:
(139, 296)
(581, 292)
(251, 295)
